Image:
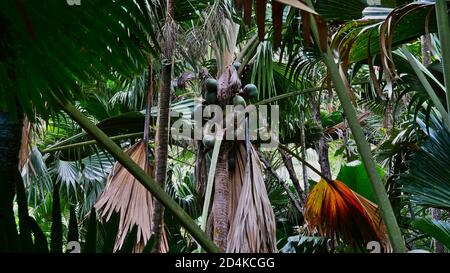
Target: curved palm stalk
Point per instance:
(147, 181)
(387, 213)
(210, 183)
(417, 66)
(340, 85)
(162, 132)
(444, 36)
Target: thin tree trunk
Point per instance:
(303, 148)
(339, 82)
(10, 139)
(321, 145)
(161, 150)
(298, 203)
(162, 132)
(292, 175)
(221, 194)
(201, 172)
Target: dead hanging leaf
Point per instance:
(124, 195)
(184, 79)
(253, 226)
(25, 145)
(228, 84)
(337, 211)
(320, 22)
(277, 21)
(261, 18)
(387, 31)
(373, 76)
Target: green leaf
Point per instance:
(338, 10)
(91, 236)
(40, 241)
(111, 229)
(439, 230)
(56, 236)
(130, 241)
(354, 175)
(427, 181)
(72, 234)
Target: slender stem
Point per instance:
(415, 64)
(210, 183)
(292, 175)
(303, 150)
(89, 142)
(386, 210)
(288, 151)
(444, 37)
(298, 93)
(148, 108)
(147, 181)
(283, 183)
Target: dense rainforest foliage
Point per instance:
(293, 126)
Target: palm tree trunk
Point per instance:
(221, 194)
(161, 149)
(162, 133)
(10, 140)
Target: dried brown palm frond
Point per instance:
(25, 143)
(237, 179)
(124, 195)
(253, 226)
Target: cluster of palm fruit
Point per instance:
(249, 91)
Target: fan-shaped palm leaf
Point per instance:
(336, 210)
(126, 196)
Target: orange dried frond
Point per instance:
(336, 211)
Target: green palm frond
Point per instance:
(68, 46)
(440, 230)
(336, 10)
(427, 181)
